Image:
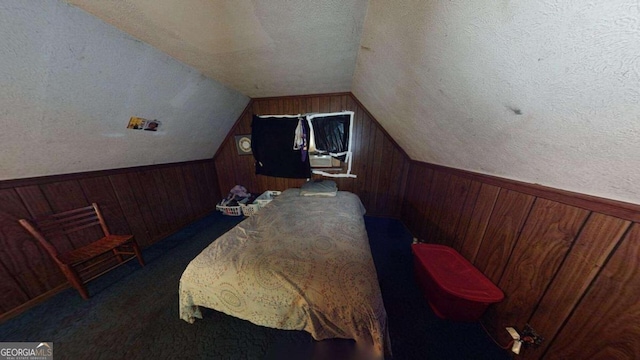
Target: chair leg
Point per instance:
(75, 281)
(117, 254)
(136, 250)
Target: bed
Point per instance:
(300, 263)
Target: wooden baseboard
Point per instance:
(33, 302)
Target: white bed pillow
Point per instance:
(319, 188)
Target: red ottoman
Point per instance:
(454, 288)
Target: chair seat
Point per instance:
(94, 249)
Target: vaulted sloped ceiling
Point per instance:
(540, 91)
(260, 48)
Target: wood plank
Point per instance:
(606, 323)
(194, 191)
(211, 178)
(34, 200)
(433, 211)
(100, 190)
(146, 208)
(174, 185)
(424, 198)
(11, 294)
(465, 215)
(623, 210)
(123, 190)
(394, 194)
(508, 217)
(148, 187)
(371, 172)
(379, 164)
(548, 234)
(594, 245)
(479, 222)
(22, 257)
(451, 209)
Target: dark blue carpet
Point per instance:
(133, 312)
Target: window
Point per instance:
(330, 143)
(320, 142)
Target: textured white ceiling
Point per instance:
(260, 48)
(540, 91)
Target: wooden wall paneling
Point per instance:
(195, 191)
(508, 217)
(371, 147)
(133, 201)
(479, 222)
(68, 195)
(437, 197)
(225, 169)
(165, 191)
(20, 254)
(11, 294)
(466, 215)
(178, 202)
(588, 254)
(451, 209)
(38, 206)
(315, 104)
(211, 178)
(184, 193)
(64, 195)
(139, 191)
(373, 169)
(357, 148)
(34, 200)
(623, 210)
(152, 194)
(275, 107)
(16, 260)
(124, 192)
(399, 169)
(100, 190)
(380, 181)
(606, 322)
(410, 203)
(365, 157)
(548, 234)
(419, 199)
(409, 212)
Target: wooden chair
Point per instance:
(89, 261)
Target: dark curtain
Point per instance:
(272, 147)
(331, 134)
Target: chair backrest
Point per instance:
(64, 223)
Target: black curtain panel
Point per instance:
(331, 134)
(272, 146)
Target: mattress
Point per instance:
(300, 263)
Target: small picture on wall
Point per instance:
(138, 123)
(243, 143)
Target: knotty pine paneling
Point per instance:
(568, 263)
(150, 202)
(380, 165)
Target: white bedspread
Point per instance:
(300, 263)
